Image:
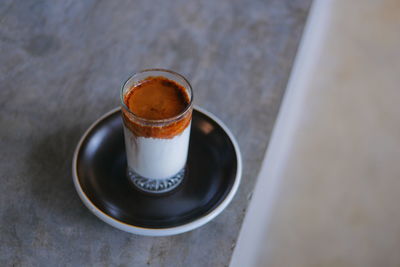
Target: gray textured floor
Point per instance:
(61, 66)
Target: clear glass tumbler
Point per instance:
(156, 150)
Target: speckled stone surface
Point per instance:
(61, 66)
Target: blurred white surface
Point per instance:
(328, 193)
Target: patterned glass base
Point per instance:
(156, 185)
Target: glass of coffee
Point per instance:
(156, 109)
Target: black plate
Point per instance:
(100, 169)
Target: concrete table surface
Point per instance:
(61, 66)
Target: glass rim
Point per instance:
(159, 121)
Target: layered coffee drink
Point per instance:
(157, 113)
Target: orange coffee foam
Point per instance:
(156, 98)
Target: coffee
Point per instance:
(157, 113)
(157, 98)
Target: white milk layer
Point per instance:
(157, 158)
